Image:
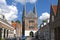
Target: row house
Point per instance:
(52, 29)
(49, 27)
(55, 22)
(44, 30)
(18, 29)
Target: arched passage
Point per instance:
(31, 33)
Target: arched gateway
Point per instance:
(31, 34)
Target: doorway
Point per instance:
(57, 33)
(31, 34)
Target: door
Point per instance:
(57, 33)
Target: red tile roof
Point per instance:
(14, 24)
(54, 9)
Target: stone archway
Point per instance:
(31, 34)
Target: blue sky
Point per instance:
(43, 6)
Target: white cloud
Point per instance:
(3, 1)
(23, 1)
(9, 11)
(32, 1)
(44, 16)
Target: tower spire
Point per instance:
(24, 9)
(51, 14)
(34, 10)
(23, 20)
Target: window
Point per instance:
(31, 27)
(52, 18)
(31, 21)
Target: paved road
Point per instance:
(28, 38)
(31, 38)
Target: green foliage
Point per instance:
(12, 21)
(44, 21)
(2, 39)
(17, 21)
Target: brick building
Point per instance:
(55, 22)
(18, 28)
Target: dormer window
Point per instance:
(31, 27)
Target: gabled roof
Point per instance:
(31, 15)
(54, 9)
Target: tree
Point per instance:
(44, 21)
(17, 21)
(12, 21)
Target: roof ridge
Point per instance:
(54, 8)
